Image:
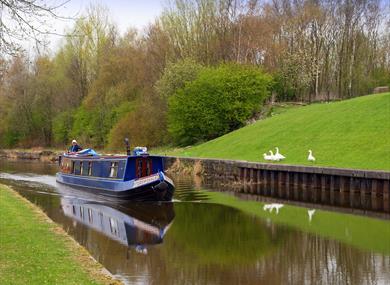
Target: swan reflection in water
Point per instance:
(131, 224)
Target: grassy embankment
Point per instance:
(34, 250)
(353, 133)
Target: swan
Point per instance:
(311, 157)
(267, 157)
(278, 155)
(311, 213)
(273, 157)
(272, 206)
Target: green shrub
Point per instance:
(220, 100)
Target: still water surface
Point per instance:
(198, 240)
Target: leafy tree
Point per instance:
(176, 75)
(62, 125)
(220, 100)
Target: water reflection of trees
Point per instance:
(267, 254)
(215, 234)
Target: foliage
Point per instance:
(143, 126)
(316, 50)
(176, 75)
(62, 125)
(220, 100)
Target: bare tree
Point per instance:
(22, 20)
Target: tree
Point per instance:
(220, 100)
(21, 20)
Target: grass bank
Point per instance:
(34, 250)
(353, 133)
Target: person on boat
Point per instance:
(74, 147)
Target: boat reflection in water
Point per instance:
(131, 224)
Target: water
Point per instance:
(210, 238)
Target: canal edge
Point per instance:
(90, 265)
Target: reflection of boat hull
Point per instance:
(154, 189)
(129, 224)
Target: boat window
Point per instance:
(73, 163)
(139, 167)
(77, 167)
(114, 169)
(148, 167)
(74, 210)
(90, 168)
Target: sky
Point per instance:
(124, 13)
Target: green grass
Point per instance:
(353, 133)
(30, 251)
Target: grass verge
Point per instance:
(353, 133)
(34, 250)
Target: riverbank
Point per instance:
(34, 250)
(31, 154)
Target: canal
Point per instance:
(209, 237)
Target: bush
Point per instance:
(220, 100)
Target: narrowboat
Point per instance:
(137, 176)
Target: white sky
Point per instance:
(124, 13)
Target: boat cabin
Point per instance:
(111, 167)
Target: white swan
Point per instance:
(311, 213)
(278, 155)
(272, 206)
(311, 157)
(267, 157)
(273, 157)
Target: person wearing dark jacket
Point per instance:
(75, 147)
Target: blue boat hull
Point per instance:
(153, 188)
